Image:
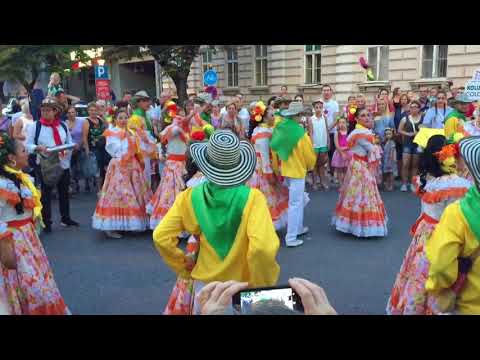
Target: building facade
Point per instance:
(258, 71)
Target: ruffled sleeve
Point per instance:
(445, 188)
(115, 146)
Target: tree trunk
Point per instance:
(180, 80)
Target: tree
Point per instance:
(175, 60)
(25, 62)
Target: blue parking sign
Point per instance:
(210, 78)
(101, 72)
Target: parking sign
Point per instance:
(101, 72)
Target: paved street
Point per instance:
(105, 276)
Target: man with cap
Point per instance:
(293, 146)
(50, 132)
(452, 250)
(280, 103)
(455, 121)
(141, 123)
(237, 237)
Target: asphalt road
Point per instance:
(104, 276)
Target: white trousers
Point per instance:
(296, 198)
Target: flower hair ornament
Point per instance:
(258, 111)
(171, 110)
(448, 158)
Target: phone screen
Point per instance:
(287, 296)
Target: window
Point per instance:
(378, 61)
(434, 61)
(261, 65)
(207, 58)
(313, 62)
(232, 67)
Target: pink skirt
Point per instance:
(171, 184)
(338, 161)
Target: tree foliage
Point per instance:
(175, 60)
(25, 62)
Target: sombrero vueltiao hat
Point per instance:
(51, 103)
(470, 151)
(224, 159)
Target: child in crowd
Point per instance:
(389, 165)
(341, 156)
(318, 131)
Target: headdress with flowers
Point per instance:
(448, 157)
(258, 111)
(171, 110)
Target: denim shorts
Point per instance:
(411, 148)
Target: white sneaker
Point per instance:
(412, 188)
(295, 243)
(404, 188)
(304, 231)
(113, 235)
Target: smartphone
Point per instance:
(243, 300)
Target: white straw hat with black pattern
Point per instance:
(470, 151)
(225, 160)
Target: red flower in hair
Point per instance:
(198, 136)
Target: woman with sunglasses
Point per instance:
(408, 128)
(435, 116)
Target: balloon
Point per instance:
(363, 63)
(353, 111)
(370, 75)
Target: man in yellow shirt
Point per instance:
(453, 248)
(237, 237)
(294, 148)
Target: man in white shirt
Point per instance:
(52, 133)
(331, 111)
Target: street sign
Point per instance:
(210, 78)
(472, 89)
(101, 72)
(102, 88)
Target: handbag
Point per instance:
(50, 169)
(89, 164)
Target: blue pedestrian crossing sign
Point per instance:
(210, 78)
(101, 72)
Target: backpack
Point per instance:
(50, 167)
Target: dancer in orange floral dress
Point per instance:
(175, 137)
(264, 178)
(360, 210)
(438, 186)
(26, 279)
(125, 193)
